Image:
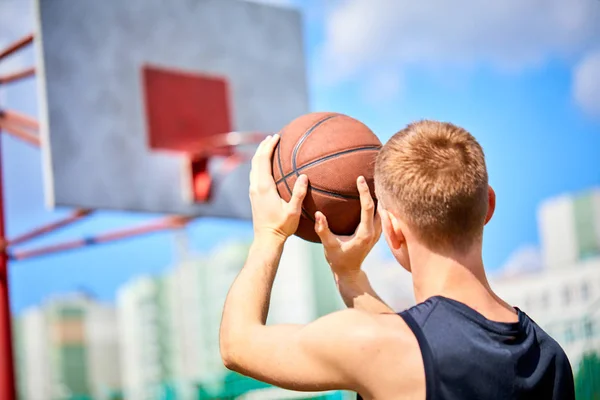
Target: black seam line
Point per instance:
(329, 157)
(286, 184)
(303, 138)
(295, 152)
(281, 168)
(306, 214)
(333, 194)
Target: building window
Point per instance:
(585, 291)
(569, 335)
(545, 300)
(588, 329)
(566, 296)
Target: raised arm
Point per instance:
(323, 355)
(345, 255)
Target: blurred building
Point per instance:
(569, 228)
(144, 337)
(169, 325)
(304, 288)
(66, 348)
(563, 294)
(565, 302)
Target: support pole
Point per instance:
(19, 44)
(49, 228)
(16, 118)
(7, 373)
(164, 224)
(20, 133)
(20, 126)
(7, 366)
(17, 76)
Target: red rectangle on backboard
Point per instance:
(183, 108)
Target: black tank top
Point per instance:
(468, 357)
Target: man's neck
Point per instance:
(457, 276)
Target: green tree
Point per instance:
(587, 379)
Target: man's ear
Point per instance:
(391, 229)
(491, 204)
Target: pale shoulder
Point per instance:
(390, 361)
(353, 326)
(361, 325)
(373, 349)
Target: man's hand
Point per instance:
(345, 254)
(270, 213)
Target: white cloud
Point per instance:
(524, 260)
(508, 33)
(361, 35)
(282, 3)
(586, 84)
(383, 86)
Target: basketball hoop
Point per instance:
(234, 148)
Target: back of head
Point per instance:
(433, 176)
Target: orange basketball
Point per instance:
(332, 150)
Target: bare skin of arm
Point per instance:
(300, 357)
(349, 350)
(345, 255)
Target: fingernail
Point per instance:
(303, 179)
(276, 136)
(362, 180)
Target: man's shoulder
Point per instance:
(375, 351)
(557, 359)
(364, 332)
(420, 312)
(366, 325)
(550, 344)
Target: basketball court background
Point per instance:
(485, 107)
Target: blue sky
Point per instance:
(523, 77)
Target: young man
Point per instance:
(460, 341)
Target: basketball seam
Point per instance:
(285, 181)
(286, 184)
(295, 154)
(337, 195)
(327, 158)
(281, 168)
(312, 128)
(303, 138)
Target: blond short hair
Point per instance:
(434, 174)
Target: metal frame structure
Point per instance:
(25, 128)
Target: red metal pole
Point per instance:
(161, 225)
(16, 118)
(54, 226)
(15, 76)
(19, 44)
(7, 373)
(19, 133)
